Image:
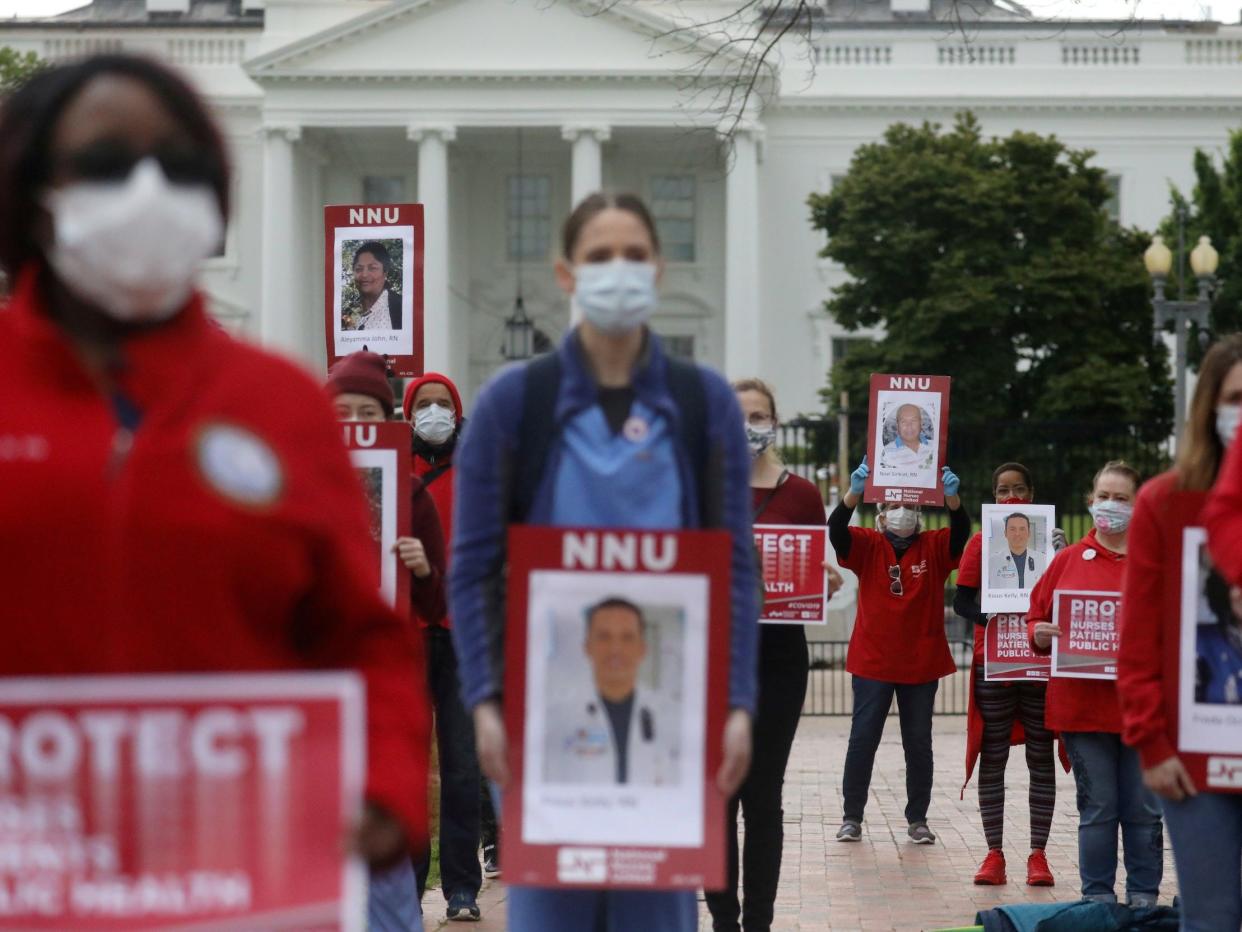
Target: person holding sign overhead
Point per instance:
(898, 646)
(778, 497)
(1001, 713)
(1205, 826)
(1086, 711)
(607, 432)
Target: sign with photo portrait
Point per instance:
(205, 801)
(380, 455)
(1007, 653)
(1017, 548)
(795, 585)
(616, 692)
(907, 437)
(1209, 676)
(1090, 634)
(374, 283)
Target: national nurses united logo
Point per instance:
(239, 465)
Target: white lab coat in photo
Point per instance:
(1004, 574)
(580, 746)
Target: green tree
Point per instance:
(16, 67)
(1214, 208)
(994, 261)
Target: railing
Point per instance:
(974, 54)
(206, 51)
(1096, 54)
(199, 50)
(853, 54)
(1214, 51)
(79, 47)
(829, 690)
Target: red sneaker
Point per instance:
(1037, 872)
(992, 872)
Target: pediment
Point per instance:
(496, 38)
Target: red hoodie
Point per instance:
(437, 476)
(1222, 516)
(227, 532)
(1147, 673)
(1073, 704)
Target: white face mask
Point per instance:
(616, 296)
(1111, 517)
(901, 521)
(434, 423)
(1227, 417)
(133, 247)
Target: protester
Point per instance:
(181, 502)
(1001, 714)
(360, 391)
(1086, 712)
(898, 646)
(777, 497)
(433, 408)
(545, 447)
(1205, 828)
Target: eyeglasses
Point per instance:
(111, 160)
(894, 573)
(759, 420)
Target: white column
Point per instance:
(588, 161)
(279, 324)
(743, 302)
(443, 349)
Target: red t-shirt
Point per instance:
(1078, 705)
(900, 638)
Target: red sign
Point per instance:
(1090, 634)
(179, 802)
(794, 582)
(1007, 654)
(907, 437)
(612, 630)
(380, 453)
(373, 278)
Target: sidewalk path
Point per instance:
(883, 883)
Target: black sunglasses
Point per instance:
(109, 160)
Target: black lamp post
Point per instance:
(519, 333)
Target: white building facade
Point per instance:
(498, 115)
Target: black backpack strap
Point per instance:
(535, 433)
(436, 472)
(685, 385)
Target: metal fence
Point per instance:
(829, 692)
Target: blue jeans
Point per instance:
(1109, 779)
(392, 901)
(915, 704)
(540, 909)
(544, 909)
(1206, 832)
(460, 871)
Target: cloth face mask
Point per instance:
(1111, 517)
(434, 423)
(759, 439)
(617, 296)
(132, 248)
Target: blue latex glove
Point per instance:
(950, 482)
(858, 478)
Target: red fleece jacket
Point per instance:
(227, 532)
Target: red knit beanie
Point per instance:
(362, 373)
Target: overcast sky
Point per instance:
(1224, 10)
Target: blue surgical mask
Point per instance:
(1227, 417)
(617, 296)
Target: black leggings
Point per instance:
(1001, 704)
(783, 671)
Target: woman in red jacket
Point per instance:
(1086, 713)
(180, 502)
(777, 497)
(1006, 713)
(1205, 828)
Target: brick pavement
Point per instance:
(883, 883)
